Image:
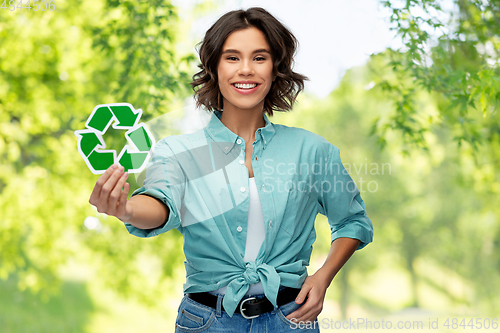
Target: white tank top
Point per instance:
(255, 236)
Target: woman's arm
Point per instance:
(141, 211)
(147, 212)
(351, 230)
(340, 251)
(314, 287)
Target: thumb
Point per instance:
(302, 294)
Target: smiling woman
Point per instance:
(247, 241)
(245, 75)
(226, 46)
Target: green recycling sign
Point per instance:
(133, 157)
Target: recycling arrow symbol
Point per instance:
(133, 157)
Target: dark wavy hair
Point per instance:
(283, 44)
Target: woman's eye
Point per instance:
(235, 58)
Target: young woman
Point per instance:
(244, 192)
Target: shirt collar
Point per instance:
(220, 133)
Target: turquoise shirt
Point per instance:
(203, 180)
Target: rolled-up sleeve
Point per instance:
(164, 181)
(340, 201)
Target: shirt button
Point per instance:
(270, 223)
(242, 162)
(226, 148)
(263, 186)
(239, 229)
(238, 141)
(242, 189)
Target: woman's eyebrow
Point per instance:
(238, 52)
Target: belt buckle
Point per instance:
(241, 309)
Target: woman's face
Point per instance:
(245, 59)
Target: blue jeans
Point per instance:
(195, 317)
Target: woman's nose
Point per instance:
(246, 67)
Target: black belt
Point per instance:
(251, 306)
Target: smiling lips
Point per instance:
(245, 88)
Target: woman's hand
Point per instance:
(108, 196)
(314, 288)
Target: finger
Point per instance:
(103, 200)
(302, 294)
(96, 192)
(308, 312)
(308, 316)
(298, 300)
(294, 316)
(124, 195)
(108, 187)
(122, 204)
(116, 193)
(310, 319)
(301, 312)
(122, 200)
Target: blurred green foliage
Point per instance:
(453, 54)
(22, 312)
(54, 68)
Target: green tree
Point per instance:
(452, 55)
(54, 68)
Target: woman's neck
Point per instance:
(243, 123)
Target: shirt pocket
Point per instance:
(290, 209)
(296, 209)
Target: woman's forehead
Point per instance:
(249, 39)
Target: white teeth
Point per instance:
(245, 86)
